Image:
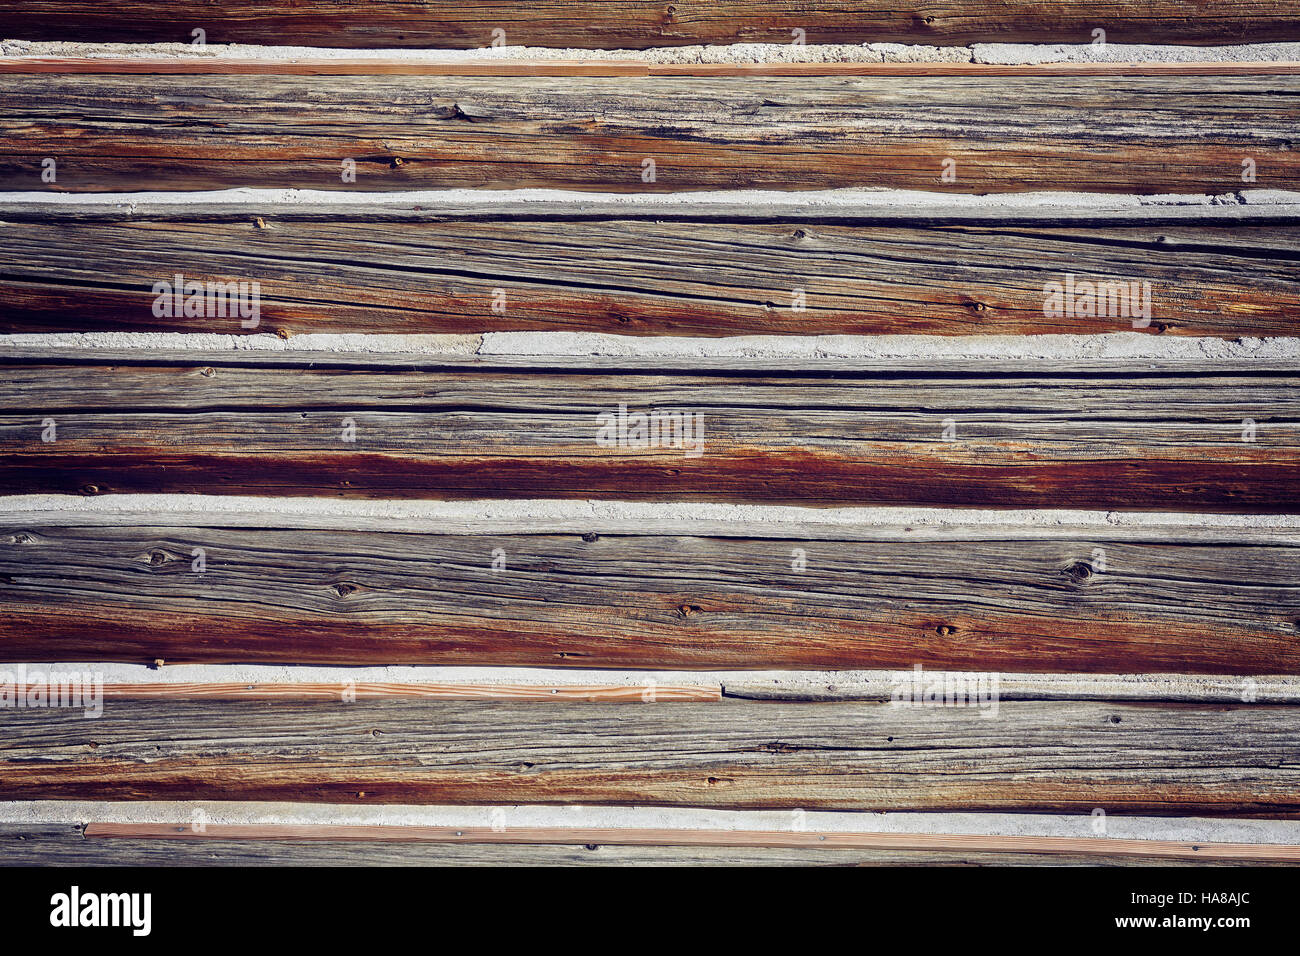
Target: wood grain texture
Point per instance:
(1143, 134)
(636, 277)
(64, 845)
(1117, 441)
(353, 690)
(637, 24)
(643, 601)
(664, 836)
(1031, 756)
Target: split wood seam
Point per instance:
(699, 693)
(767, 839)
(626, 68)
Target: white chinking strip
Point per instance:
(1119, 347)
(864, 685)
(992, 53)
(558, 516)
(1188, 829)
(752, 201)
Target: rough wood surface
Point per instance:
(1121, 440)
(628, 276)
(64, 845)
(639, 24)
(653, 601)
(665, 836)
(1142, 135)
(1030, 756)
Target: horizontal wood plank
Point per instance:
(666, 836)
(1126, 441)
(1143, 135)
(34, 844)
(1031, 756)
(636, 277)
(658, 601)
(637, 24)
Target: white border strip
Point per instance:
(735, 53)
(847, 199)
(864, 685)
(550, 516)
(1191, 829)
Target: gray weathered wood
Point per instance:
(63, 845)
(1005, 134)
(1032, 756)
(1120, 441)
(646, 278)
(1087, 604)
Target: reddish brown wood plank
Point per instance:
(648, 23)
(341, 271)
(648, 600)
(1124, 440)
(1068, 757)
(1152, 134)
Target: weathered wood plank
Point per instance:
(1031, 756)
(676, 836)
(637, 24)
(1124, 441)
(655, 601)
(1143, 135)
(628, 276)
(64, 845)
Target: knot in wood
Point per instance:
(1079, 572)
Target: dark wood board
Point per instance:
(1127, 439)
(1156, 134)
(656, 601)
(637, 24)
(637, 277)
(1032, 756)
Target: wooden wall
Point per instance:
(92, 411)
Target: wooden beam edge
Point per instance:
(327, 66)
(766, 839)
(348, 691)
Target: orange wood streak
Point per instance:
(188, 690)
